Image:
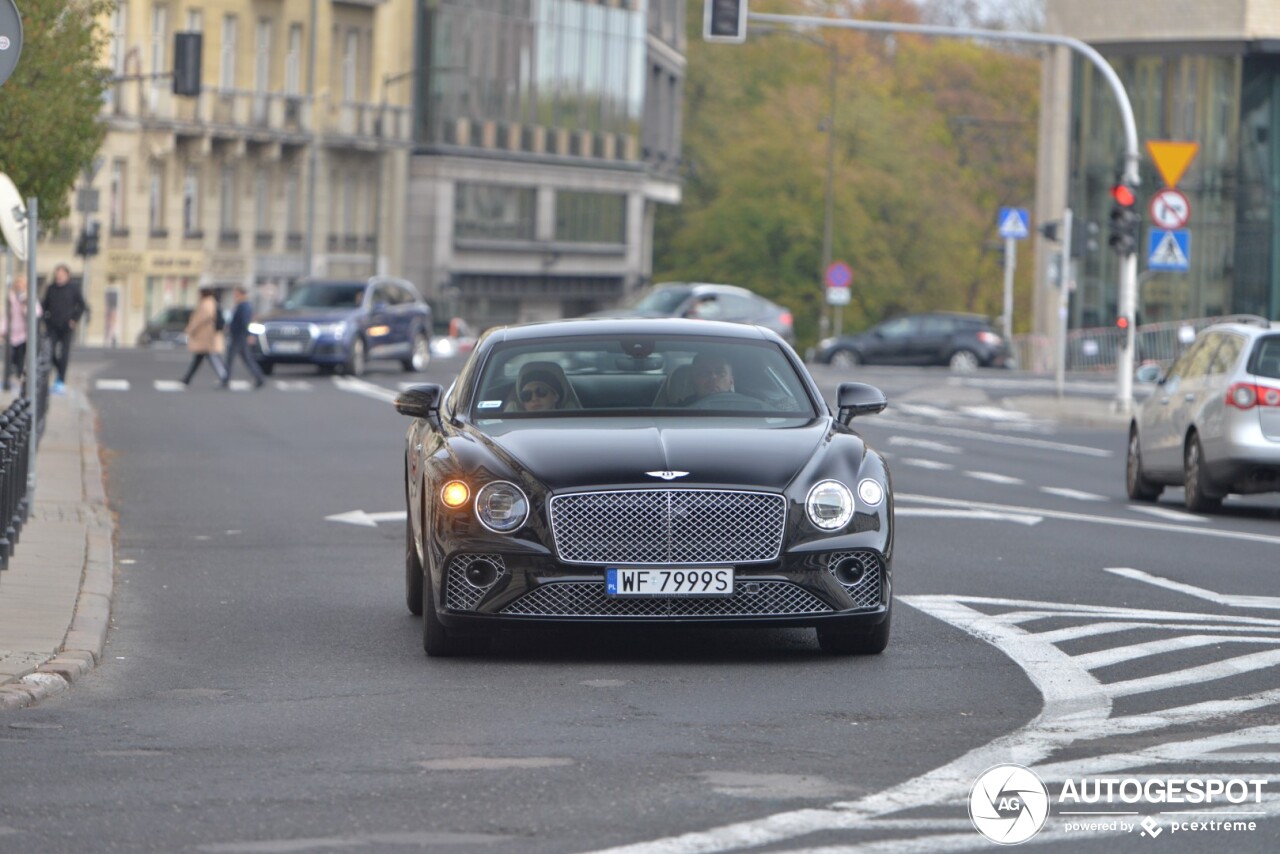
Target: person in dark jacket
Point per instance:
(238, 338)
(63, 307)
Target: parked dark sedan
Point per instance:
(706, 301)
(169, 327)
(345, 324)
(650, 471)
(962, 341)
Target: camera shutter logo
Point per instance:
(1008, 804)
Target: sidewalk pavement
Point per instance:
(55, 597)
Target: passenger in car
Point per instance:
(712, 374)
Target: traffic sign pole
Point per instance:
(1010, 264)
(1064, 303)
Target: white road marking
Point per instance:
(1063, 492)
(995, 413)
(1118, 655)
(999, 438)
(932, 465)
(924, 444)
(358, 386)
(943, 513)
(241, 385)
(293, 385)
(367, 520)
(992, 477)
(1219, 533)
(1165, 513)
(111, 385)
(1269, 603)
(169, 385)
(923, 410)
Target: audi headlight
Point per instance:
(332, 330)
(501, 507)
(256, 328)
(829, 505)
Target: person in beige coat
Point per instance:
(204, 337)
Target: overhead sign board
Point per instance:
(1014, 223)
(10, 38)
(1169, 209)
(1169, 251)
(1172, 158)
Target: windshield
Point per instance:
(676, 376)
(661, 301)
(329, 295)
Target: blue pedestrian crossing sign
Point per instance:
(1014, 223)
(1169, 251)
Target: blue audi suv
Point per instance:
(341, 325)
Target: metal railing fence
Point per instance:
(16, 423)
(1098, 348)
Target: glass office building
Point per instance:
(546, 131)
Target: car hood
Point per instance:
(621, 452)
(311, 315)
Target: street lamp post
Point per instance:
(387, 80)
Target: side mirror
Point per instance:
(1150, 373)
(854, 399)
(421, 401)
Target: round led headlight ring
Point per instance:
(871, 492)
(829, 505)
(501, 507)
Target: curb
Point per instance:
(86, 637)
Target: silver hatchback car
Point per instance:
(1212, 425)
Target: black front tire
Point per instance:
(437, 642)
(838, 640)
(355, 359)
(419, 355)
(845, 359)
(1200, 497)
(413, 577)
(1135, 482)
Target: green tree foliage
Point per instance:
(932, 137)
(49, 127)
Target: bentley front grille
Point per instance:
(588, 599)
(668, 526)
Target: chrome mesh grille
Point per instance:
(588, 599)
(459, 593)
(668, 526)
(865, 592)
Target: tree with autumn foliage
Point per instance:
(932, 137)
(49, 127)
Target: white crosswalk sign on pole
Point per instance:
(1015, 223)
(1169, 250)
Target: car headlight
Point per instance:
(825, 343)
(256, 328)
(332, 330)
(871, 492)
(829, 505)
(501, 507)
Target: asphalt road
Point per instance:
(264, 688)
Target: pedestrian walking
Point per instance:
(63, 307)
(15, 330)
(238, 338)
(204, 337)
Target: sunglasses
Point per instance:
(539, 391)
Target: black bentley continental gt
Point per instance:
(644, 471)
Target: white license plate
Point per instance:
(287, 347)
(690, 581)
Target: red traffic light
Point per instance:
(1122, 323)
(1123, 194)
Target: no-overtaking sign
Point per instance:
(10, 38)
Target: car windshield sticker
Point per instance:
(489, 404)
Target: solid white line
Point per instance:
(932, 465)
(112, 385)
(992, 477)
(1269, 539)
(1164, 513)
(925, 444)
(1000, 438)
(979, 515)
(1268, 603)
(1063, 492)
(1119, 654)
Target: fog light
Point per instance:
(849, 571)
(482, 573)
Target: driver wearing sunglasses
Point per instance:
(538, 390)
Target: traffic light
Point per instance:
(186, 64)
(87, 245)
(1050, 230)
(725, 21)
(1124, 219)
(1122, 325)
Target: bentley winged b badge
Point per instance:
(667, 475)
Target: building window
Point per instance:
(159, 55)
(227, 204)
(262, 64)
(119, 37)
(293, 61)
(195, 21)
(155, 199)
(494, 212)
(230, 27)
(350, 66)
(191, 201)
(591, 217)
(293, 203)
(118, 223)
(262, 204)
